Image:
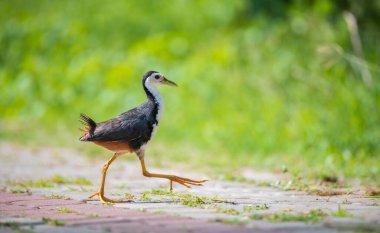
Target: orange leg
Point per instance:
(100, 193)
(181, 180)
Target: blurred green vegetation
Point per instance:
(264, 84)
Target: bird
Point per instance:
(131, 131)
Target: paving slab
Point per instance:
(226, 207)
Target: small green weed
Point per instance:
(229, 211)
(92, 215)
(310, 216)
(251, 208)
(65, 210)
(130, 196)
(32, 183)
(360, 228)
(56, 196)
(19, 191)
(50, 183)
(341, 213)
(57, 179)
(193, 201)
(162, 192)
(54, 222)
(230, 221)
(233, 178)
(108, 203)
(145, 197)
(158, 212)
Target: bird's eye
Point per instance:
(157, 76)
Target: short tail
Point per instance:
(89, 129)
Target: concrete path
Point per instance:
(47, 189)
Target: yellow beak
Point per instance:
(168, 82)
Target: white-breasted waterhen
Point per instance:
(131, 131)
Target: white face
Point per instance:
(155, 78)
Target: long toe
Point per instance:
(104, 199)
(93, 195)
(185, 182)
(190, 180)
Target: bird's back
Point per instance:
(133, 127)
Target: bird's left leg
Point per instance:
(181, 180)
(100, 193)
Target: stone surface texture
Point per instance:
(221, 206)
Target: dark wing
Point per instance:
(125, 127)
(119, 130)
(128, 126)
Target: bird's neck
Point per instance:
(154, 96)
(152, 93)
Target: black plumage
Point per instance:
(133, 127)
(131, 131)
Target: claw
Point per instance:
(184, 181)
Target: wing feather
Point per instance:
(127, 126)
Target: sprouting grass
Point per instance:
(188, 200)
(227, 210)
(360, 228)
(185, 199)
(19, 191)
(51, 182)
(64, 180)
(197, 201)
(56, 196)
(251, 208)
(284, 216)
(65, 210)
(341, 213)
(130, 196)
(192, 200)
(32, 183)
(145, 197)
(93, 215)
(162, 192)
(54, 222)
(230, 221)
(158, 212)
(321, 186)
(311, 216)
(108, 203)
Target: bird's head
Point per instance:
(156, 78)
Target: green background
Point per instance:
(263, 84)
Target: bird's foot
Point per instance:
(184, 181)
(104, 199)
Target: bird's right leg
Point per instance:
(181, 180)
(100, 193)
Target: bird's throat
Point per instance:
(153, 95)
